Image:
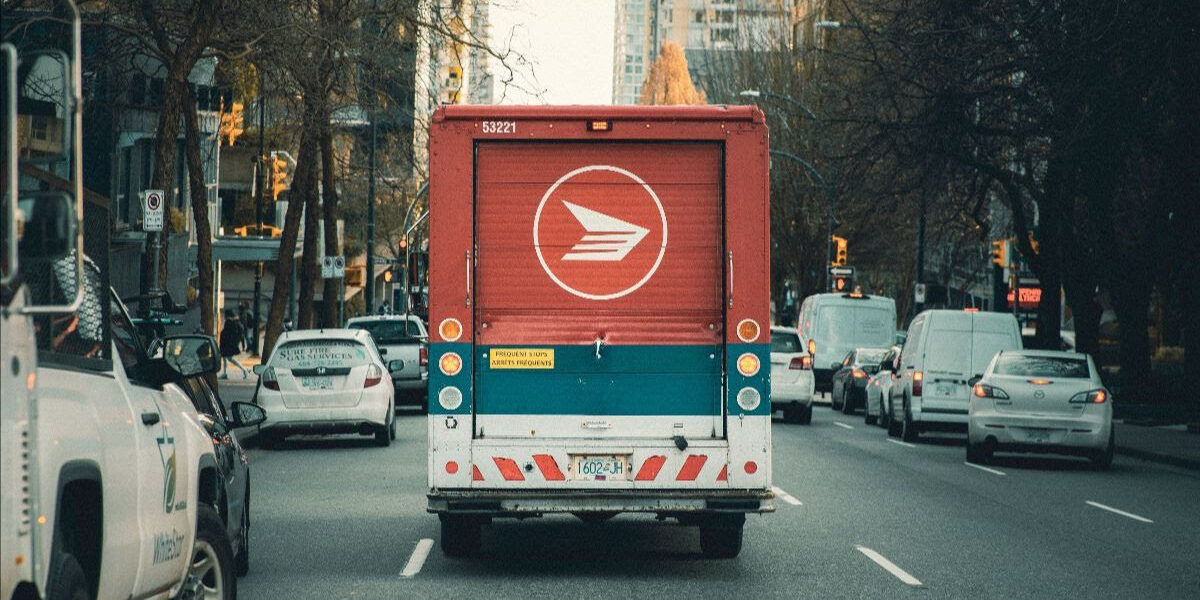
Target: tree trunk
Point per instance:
(1131, 302)
(310, 269)
(199, 200)
(166, 148)
(333, 288)
(280, 295)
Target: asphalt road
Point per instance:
(858, 516)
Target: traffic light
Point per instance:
(278, 176)
(232, 123)
(839, 255)
(389, 275)
(403, 245)
(998, 253)
(841, 283)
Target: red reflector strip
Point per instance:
(691, 467)
(475, 474)
(508, 469)
(650, 468)
(548, 467)
(724, 474)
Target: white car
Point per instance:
(879, 389)
(1040, 401)
(326, 381)
(791, 376)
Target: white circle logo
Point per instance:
(604, 235)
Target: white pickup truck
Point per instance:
(108, 482)
(404, 343)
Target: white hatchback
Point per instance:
(1040, 401)
(791, 376)
(326, 381)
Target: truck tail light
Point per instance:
(747, 330)
(374, 376)
(450, 364)
(918, 380)
(812, 347)
(269, 379)
(424, 356)
(747, 365)
(801, 363)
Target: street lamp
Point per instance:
(830, 192)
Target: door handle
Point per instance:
(599, 342)
(150, 418)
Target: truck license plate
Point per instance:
(588, 467)
(317, 383)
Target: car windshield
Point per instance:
(1042, 366)
(788, 343)
(390, 331)
(310, 354)
(871, 357)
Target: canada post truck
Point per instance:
(598, 305)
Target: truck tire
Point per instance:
(242, 559)
(721, 536)
(66, 580)
(908, 431)
(461, 535)
(210, 570)
(893, 426)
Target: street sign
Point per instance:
(919, 293)
(841, 271)
(152, 210)
(380, 260)
(333, 267)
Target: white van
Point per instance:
(831, 325)
(944, 351)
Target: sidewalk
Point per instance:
(1168, 444)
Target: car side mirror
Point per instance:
(246, 414)
(48, 233)
(258, 369)
(395, 365)
(974, 380)
(190, 355)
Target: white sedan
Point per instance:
(326, 381)
(879, 390)
(791, 376)
(1040, 401)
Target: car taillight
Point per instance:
(800, 363)
(983, 390)
(918, 380)
(859, 374)
(374, 376)
(424, 356)
(1092, 397)
(269, 380)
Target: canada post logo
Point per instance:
(600, 232)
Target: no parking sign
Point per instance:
(152, 210)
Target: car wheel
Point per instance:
(66, 580)
(461, 535)
(210, 571)
(383, 437)
(833, 401)
(979, 454)
(789, 413)
(241, 560)
(869, 418)
(805, 415)
(1102, 459)
(847, 404)
(885, 415)
(392, 427)
(721, 536)
(908, 430)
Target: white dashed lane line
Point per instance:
(843, 425)
(983, 468)
(891, 567)
(900, 443)
(1118, 511)
(786, 497)
(417, 560)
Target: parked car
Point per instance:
(404, 343)
(850, 381)
(879, 389)
(1040, 401)
(831, 325)
(323, 382)
(945, 349)
(232, 462)
(791, 376)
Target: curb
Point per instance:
(1158, 457)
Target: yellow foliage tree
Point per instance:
(668, 81)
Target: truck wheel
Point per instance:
(210, 571)
(66, 580)
(461, 535)
(241, 560)
(721, 536)
(908, 431)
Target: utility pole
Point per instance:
(921, 249)
(258, 209)
(371, 220)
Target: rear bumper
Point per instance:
(940, 413)
(786, 394)
(526, 503)
(1040, 434)
(321, 427)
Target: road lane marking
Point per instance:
(1118, 511)
(900, 443)
(787, 497)
(417, 560)
(891, 567)
(843, 425)
(988, 469)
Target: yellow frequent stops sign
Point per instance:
(521, 358)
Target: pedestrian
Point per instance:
(244, 317)
(231, 344)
